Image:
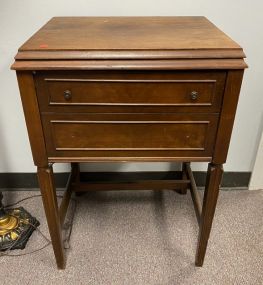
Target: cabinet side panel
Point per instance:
(228, 112)
(32, 117)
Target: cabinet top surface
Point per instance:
(129, 43)
(128, 33)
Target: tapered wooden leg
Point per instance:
(73, 178)
(48, 191)
(76, 170)
(184, 177)
(75, 167)
(213, 181)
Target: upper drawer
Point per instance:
(130, 91)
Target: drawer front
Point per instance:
(125, 136)
(130, 91)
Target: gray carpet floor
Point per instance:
(145, 237)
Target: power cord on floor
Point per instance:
(24, 199)
(66, 226)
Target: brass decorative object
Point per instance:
(16, 227)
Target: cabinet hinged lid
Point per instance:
(127, 38)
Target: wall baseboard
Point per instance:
(29, 180)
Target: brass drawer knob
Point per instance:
(194, 95)
(67, 95)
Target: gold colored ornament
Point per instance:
(16, 226)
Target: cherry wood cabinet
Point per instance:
(129, 89)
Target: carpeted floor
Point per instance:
(146, 237)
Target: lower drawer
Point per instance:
(127, 136)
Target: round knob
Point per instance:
(194, 95)
(67, 95)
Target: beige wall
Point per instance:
(242, 20)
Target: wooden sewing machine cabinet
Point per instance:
(123, 89)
